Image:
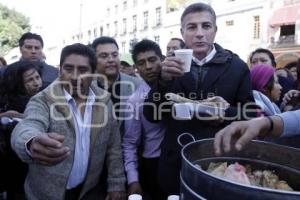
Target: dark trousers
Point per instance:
(73, 194)
(148, 175)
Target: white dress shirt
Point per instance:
(207, 58)
(82, 144)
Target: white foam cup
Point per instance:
(173, 197)
(185, 55)
(135, 197)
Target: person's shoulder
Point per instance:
(49, 67)
(125, 77)
(234, 58)
(138, 95)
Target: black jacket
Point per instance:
(226, 75)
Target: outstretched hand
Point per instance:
(242, 131)
(48, 149)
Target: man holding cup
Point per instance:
(213, 71)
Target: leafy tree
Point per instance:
(12, 25)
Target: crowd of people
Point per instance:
(101, 128)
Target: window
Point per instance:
(256, 31)
(124, 26)
(134, 3)
(158, 16)
(156, 39)
(124, 5)
(145, 20)
(229, 23)
(107, 12)
(95, 32)
(107, 29)
(287, 30)
(123, 47)
(101, 31)
(116, 27)
(116, 9)
(132, 42)
(134, 23)
(89, 35)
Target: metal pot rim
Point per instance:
(229, 181)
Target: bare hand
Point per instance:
(134, 188)
(48, 149)
(116, 196)
(12, 114)
(244, 131)
(290, 95)
(172, 67)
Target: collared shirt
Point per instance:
(139, 131)
(207, 58)
(200, 69)
(82, 143)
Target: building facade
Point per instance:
(243, 25)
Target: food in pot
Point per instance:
(244, 175)
(215, 101)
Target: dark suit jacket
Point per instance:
(226, 76)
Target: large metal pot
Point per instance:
(260, 155)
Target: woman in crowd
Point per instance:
(286, 81)
(262, 56)
(22, 80)
(266, 89)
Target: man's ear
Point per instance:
(181, 31)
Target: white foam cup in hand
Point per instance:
(173, 197)
(186, 56)
(135, 197)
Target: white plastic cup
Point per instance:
(135, 197)
(173, 197)
(185, 55)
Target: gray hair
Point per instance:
(198, 7)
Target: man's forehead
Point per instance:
(107, 48)
(32, 42)
(146, 54)
(174, 42)
(198, 17)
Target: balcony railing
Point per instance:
(284, 41)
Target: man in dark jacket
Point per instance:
(214, 72)
(31, 47)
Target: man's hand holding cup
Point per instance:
(173, 67)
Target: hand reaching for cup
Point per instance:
(47, 149)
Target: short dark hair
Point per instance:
(266, 51)
(146, 45)
(28, 36)
(182, 44)
(291, 65)
(13, 76)
(79, 49)
(198, 7)
(104, 40)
